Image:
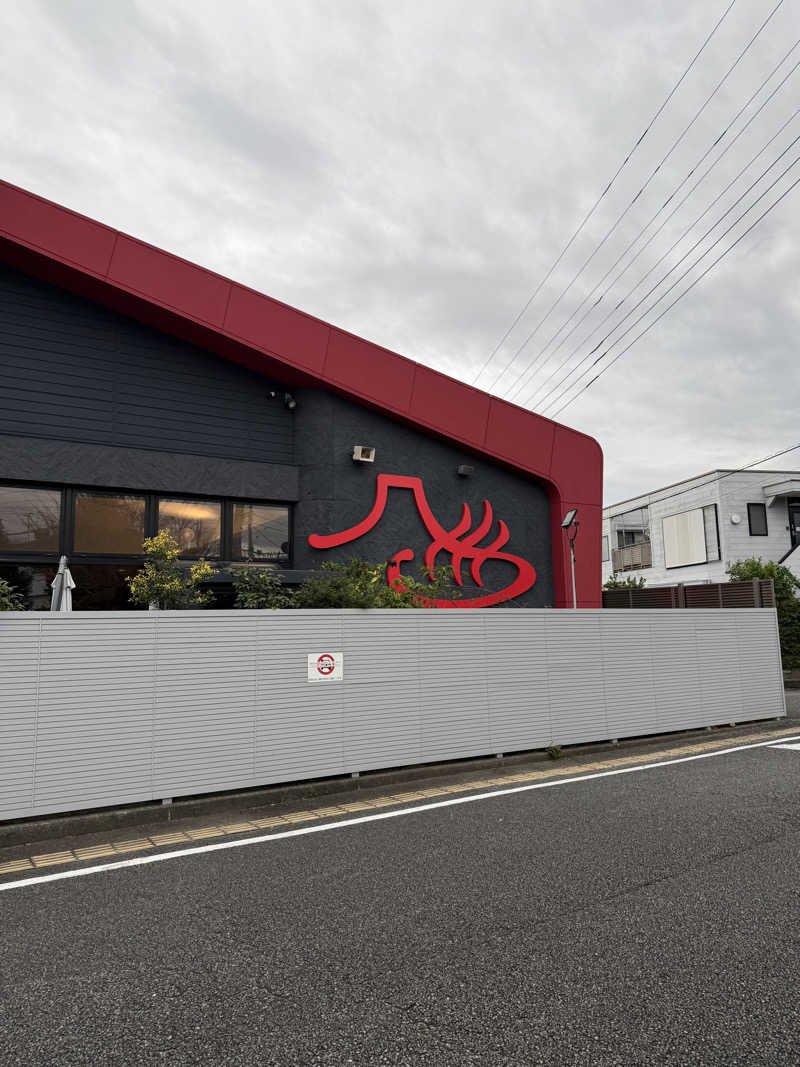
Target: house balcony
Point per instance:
(632, 557)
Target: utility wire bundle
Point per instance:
(523, 380)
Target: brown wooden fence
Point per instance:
(755, 594)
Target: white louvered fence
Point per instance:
(108, 708)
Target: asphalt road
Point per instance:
(640, 918)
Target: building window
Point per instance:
(691, 537)
(605, 549)
(260, 532)
(757, 519)
(195, 524)
(30, 519)
(113, 525)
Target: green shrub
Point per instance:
(786, 602)
(10, 598)
(631, 582)
(260, 587)
(162, 581)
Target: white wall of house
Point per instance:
(730, 493)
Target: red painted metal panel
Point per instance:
(274, 327)
(451, 407)
(577, 465)
(519, 436)
(61, 233)
(368, 370)
(170, 281)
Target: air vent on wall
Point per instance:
(363, 454)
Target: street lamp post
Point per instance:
(570, 521)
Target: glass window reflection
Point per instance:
(29, 519)
(195, 525)
(109, 524)
(260, 532)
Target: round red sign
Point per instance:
(325, 664)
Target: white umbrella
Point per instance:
(62, 586)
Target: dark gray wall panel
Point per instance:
(336, 493)
(74, 371)
(69, 463)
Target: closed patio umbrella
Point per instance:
(62, 586)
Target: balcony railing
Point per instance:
(632, 557)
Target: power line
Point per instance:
(519, 382)
(589, 354)
(710, 481)
(619, 219)
(596, 204)
(681, 295)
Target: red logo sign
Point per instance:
(458, 542)
(325, 664)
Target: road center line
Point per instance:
(301, 831)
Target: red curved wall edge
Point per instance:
(273, 339)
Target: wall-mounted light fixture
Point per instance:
(465, 470)
(289, 401)
(363, 454)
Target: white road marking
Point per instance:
(301, 831)
(795, 747)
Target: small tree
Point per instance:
(10, 598)
(631, 582)
(260, 587)
(786, 602)
(163, 582)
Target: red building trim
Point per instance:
(273, 339)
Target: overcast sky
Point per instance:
(410, 171)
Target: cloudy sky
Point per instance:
(411, 171)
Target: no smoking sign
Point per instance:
(325, 666)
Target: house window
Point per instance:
(195, 524)
(605, 549)
(110, 524)
(260, 532)
(691, 537)
(30, 519)
(757, 519)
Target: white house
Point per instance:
(692, 531)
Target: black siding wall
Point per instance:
(72, 371)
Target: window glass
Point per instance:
(605, 549)
(101, 586)
(757, 517)
(711, 532)
(260, 532)
(29, 519)
(110, 524)
(31, 582)
(195, 525)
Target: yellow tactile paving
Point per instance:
(92, 852)
(50, 859)
(15, 865)
(235, 827)
(136, 844)
(175, 837)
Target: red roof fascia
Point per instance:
(276, 340)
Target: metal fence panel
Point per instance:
(107, 708)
